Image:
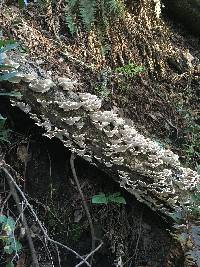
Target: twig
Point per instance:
(84, 202)
(58, 254)
(139, 235)
(49, 253)
(90, 254)
(26, 163)
(36, 217)
(5, 201)
(21, 214)
(24, 221)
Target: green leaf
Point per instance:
(21, 3)
(103, 199)
(87, 9)
(196, 197)
(9, 47)
(9, 226)
(72, 3)
(4, 135)
(7, 76)
(3, 238)
(11, 223)
(117, 194)
(198, 168)
(6, 42)
(16, 245)
(3, 218)
(23, 49)
(100, 199)
(13, 93)
(5, 67)
(10, 264)
(8, 249)
(70, 23)
(120, 200)
(116, 198)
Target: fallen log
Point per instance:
(151, 173)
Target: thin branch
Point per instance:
(21, 214)
(5, 201)
(84, 201)
(58, 254)
(139, 235)
(90, 254)
(49, 253)
(27, 158)
(24, 221)
(36, 217)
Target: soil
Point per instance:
(133, 232)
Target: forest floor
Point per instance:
(162, 101)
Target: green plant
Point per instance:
(102, 91)
(7, 236)
(6, 71)
(195, 204)
(101, 198)
(124, 75)
(129, 70)
(3, 131)
(91, 11)
(22, 3)
(191, 137)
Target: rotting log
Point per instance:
(151, 173)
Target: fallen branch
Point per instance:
(84, 202)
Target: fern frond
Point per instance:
(72, 3)
(69, 18)
(70, 15)
(91, 11)
(115, 7)
(87, 9)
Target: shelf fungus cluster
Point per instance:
(151, 173)
(17, 73)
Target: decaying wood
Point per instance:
(152, 174)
